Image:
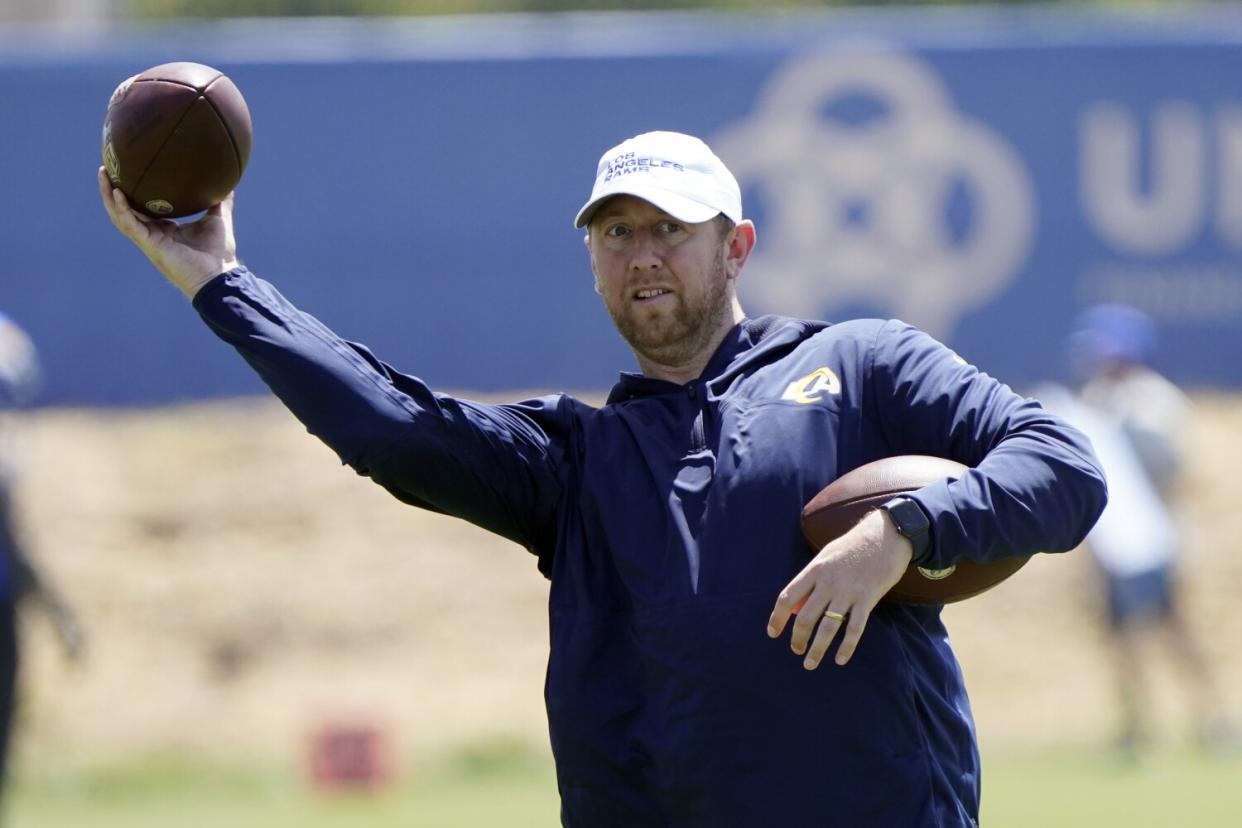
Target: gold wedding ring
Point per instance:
(832, 615)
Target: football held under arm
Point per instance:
(1034, 485)
(493, 465)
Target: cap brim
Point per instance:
(675, 204)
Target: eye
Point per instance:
(670, 227)
(616, 231)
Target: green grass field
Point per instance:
(1083, 788)
(1068, 789)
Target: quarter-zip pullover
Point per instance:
(668, 522)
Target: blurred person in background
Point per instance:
(1137, 421)
(19, 579)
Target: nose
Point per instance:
(645, 252)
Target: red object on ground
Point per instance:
(349, 756)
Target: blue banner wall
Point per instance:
(983, 174)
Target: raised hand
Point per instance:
(189, 254)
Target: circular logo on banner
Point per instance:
(874, 188)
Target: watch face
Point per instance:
(908, 516)
(911, 521)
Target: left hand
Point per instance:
(846, 579)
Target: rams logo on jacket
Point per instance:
(813, 387)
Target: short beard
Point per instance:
(690, 329)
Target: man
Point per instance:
(20, 379)
(1138, 420)
(667, 520)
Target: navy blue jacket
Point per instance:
(667, 521)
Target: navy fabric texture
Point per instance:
(667, 521)
(10, 548)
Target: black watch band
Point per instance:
(911, 521)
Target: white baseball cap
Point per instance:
(675, 172)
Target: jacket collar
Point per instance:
(747, 340)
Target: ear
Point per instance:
(738, 245)
(591, 258)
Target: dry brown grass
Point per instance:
(240, 586)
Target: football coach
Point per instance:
(668, 519)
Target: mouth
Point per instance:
(647, 294)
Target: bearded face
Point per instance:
(665, 283)
(673, 330)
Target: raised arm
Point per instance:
(497, 466)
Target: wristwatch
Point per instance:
(911, 521)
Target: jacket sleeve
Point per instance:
(1034, 483)
(496, 466)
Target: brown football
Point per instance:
(176, 139)
(844, 501)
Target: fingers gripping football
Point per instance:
(189, 254)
